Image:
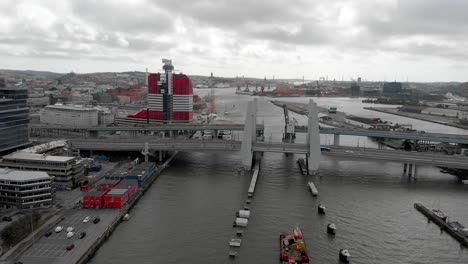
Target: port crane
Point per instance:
(289, 126)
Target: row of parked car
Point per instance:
(71, 230)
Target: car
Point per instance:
(96, 220)
(82, 235)
(70, 247)
(58, 229)
(7, 219)
(86, 219)
(70, 229)
(327, 149)
(48, 234)
(70, 234)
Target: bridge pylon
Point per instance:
(313, 138)
(249, 135)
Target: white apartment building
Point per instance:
(24, 189)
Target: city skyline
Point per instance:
(377, 40)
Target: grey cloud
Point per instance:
(122, 16)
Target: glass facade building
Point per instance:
(14, 118)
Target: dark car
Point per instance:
(70, 247)
(96, 220)
(82, 235)
(7, 218)
(48, 234)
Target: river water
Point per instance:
(187, 215)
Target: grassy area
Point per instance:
(21, 228)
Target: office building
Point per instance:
(170, 97)
(69, 116)
(14, 118)
(24, 189)
(67, 171)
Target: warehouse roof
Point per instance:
(18, 175)
(19, 155)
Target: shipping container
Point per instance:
(108, 184)
(94, 199)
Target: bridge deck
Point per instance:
(196, 145)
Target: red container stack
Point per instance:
(94, 199)
(120, 194)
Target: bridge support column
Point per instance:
(405, 167)
(336, 140)
(313, 139)
(249, 134)
(410, 169)
(415, 170)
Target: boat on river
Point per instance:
(293, 248)
(126, 217)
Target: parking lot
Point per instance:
(52, 249)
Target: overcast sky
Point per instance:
(418, 40)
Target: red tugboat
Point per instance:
(293, 248)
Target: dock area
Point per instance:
(429, 118)
(253, 182)
(445, 226)
(52, 249)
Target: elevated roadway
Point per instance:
(166, 127)
(196, 145)
(46, 131)
(433, 137)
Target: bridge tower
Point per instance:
(313, 139)
(249, 135)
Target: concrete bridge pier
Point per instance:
(410, 169)
(313, 139)
(249, 135)
(336, 140)
(405, 167)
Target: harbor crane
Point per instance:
(289, 126)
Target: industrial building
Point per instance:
(463, 117)
(120, 194)
(24, 189)
(67, 171)
(14, 118)
(392, 88)
(440, 112)
(170, 97)
(355, 90)
(76, 116)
